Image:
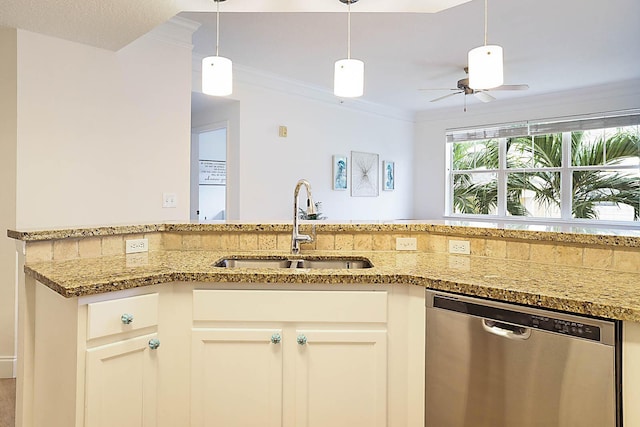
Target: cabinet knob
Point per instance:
(127, 318)
(276, 338)
(154, 343)
(302, 340)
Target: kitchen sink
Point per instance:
(339, 263)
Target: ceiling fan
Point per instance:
(482, 95)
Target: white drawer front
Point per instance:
(290, 306)
(105, 318)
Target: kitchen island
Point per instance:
(584, 273)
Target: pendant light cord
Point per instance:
(218, 28)
(349, 30)
(485, 21)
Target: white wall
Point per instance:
(429, 177)
(269, 166)
(101, 134)
(8, 135)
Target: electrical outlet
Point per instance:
(459, 247)
(459, 263)
(169, 200)
(406, 244)
(136, 245)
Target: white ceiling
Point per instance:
(550, 45)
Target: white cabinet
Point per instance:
(121, 372)
(91, 368)
(289, 358)
(236, 377)
(228, 357)
(341, 378)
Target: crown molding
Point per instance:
(177, 30)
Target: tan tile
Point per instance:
(65, 249)
(284, 241)
(382, 242)
(91, 247)
(362, 242)
(543, 253)
(248, 241)
(211, 241)
(325, 242)
(597, 258)
(478, 246)
(155, 241)
(569, 255)
(626, 260)
(518, 250)
(171, 241)
(39, 251)
(344, 242)
(438, 244)
(192, 241)
(496, 248)
(267, 242)
(230, 241)
(422, 241)
(307, 246)
(112, 245)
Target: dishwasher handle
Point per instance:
(506, 330)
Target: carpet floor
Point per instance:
(7, 402)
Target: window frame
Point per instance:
(502, 132)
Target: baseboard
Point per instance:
(8, 366)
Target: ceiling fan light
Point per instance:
(348, 78)
(217, 76)
(485, 67)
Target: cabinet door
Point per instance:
(236, 378)
(341, 378)
(121, 384)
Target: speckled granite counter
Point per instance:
(596, 292)
(560, 233)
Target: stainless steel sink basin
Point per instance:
(339, 263)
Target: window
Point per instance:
(584, 169)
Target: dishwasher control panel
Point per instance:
(496, 312)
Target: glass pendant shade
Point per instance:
(348, 78)
(217, 76)
(485, 67)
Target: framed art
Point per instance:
(388, 175)
(364, 174)
(212, 172)
(339, 172)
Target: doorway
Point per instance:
(209, 201)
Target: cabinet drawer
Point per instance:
(106, 317)
(290, 306)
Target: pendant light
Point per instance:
(217, 74)
(348, 77)
(485, 63)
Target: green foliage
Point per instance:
(302, 213)
(589, 187)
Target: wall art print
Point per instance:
(364, 174)
(388, 175)
(339, 172)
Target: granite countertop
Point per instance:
(558, 233)
(594, 292)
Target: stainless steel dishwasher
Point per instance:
(491, 364)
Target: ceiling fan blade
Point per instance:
(438, 88)
(483, 96)
(446, 96)
(511, 87)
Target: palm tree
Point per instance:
(590, 187)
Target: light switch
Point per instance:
(282, 131)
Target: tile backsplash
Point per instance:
(548, 252)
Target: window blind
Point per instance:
(601, 121)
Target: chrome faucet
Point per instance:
(296, 237)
